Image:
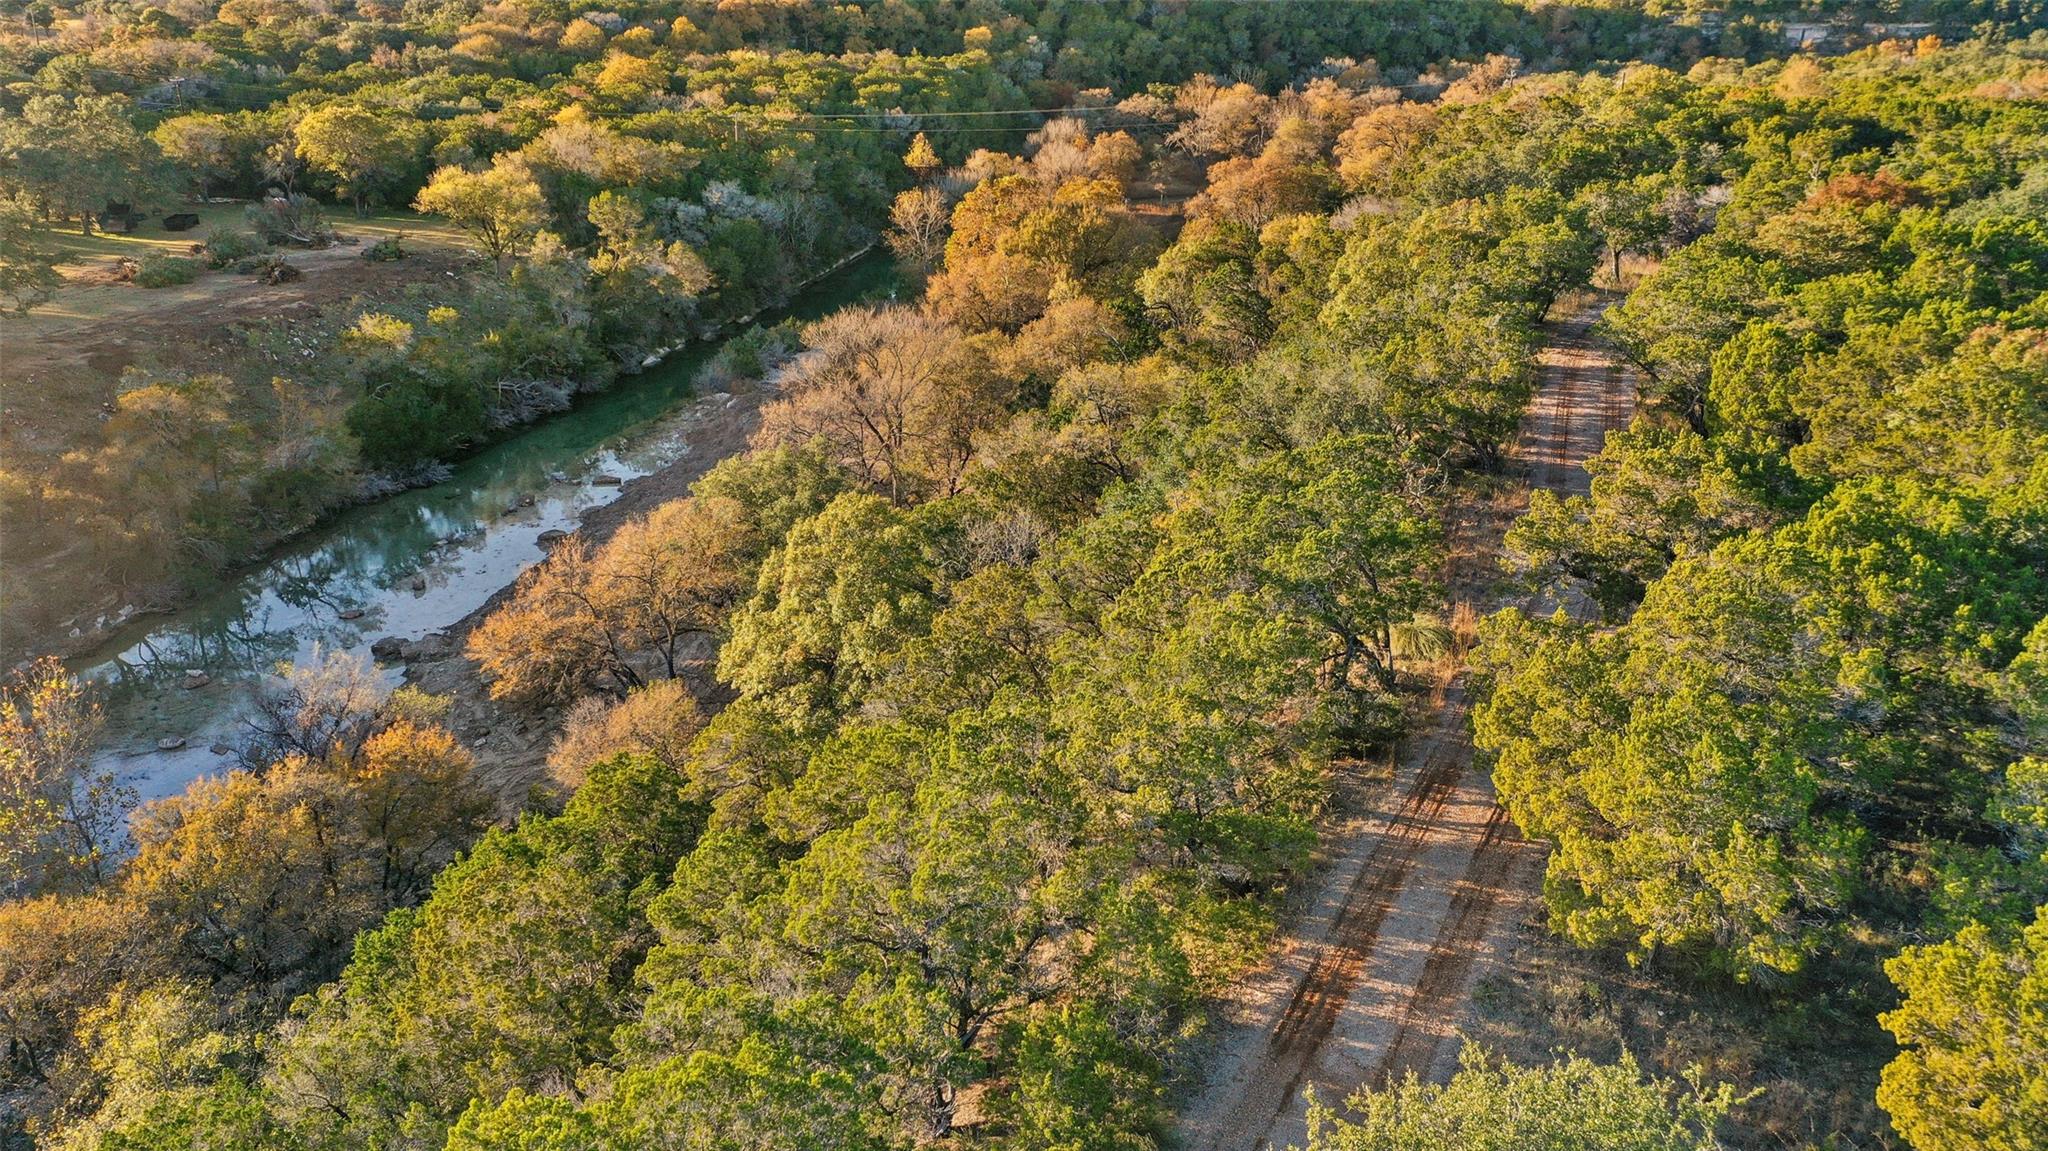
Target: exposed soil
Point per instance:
(61, 363)
(511, 744)
(1427, 895)
(61, 369)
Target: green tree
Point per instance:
(1328, 534)
(1696, 769)
(1439, 310)
(1972, 1071)
(206, 145)
(647, 289)
(362, 150)
(76, 154)
(847, 588)
(1658, 493)
(1082, 1086)
(1672, 326)
(513, 975)
(759, 1097)
(1975, 416)
(1628, 214)
(1204, 293)
(28, 273)
(424, 387)
(928, 911)
(152, 1052)
(1573, 1105)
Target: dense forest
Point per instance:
(749, 145)
(1047, 604)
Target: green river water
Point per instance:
(405, 566)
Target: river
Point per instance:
(405, 567)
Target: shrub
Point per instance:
(386, 250)
(160, 271)
(412, 419)
(1493, 1106)
(657, 720)
(750, 355)
(293, 219)
(275, 269)
(225, 246)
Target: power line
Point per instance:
(758, 119)
(759, 123)
(1072, 111)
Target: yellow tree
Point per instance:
(257, 878)
(501, 207)
(611, 616)
(922, 159)
(361, 149)
(418, 802)
(62, 954)
(60, 819)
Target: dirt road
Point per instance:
(1425, 892)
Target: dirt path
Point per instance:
(1425, 892)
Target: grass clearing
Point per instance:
(1807, 1069)
(91, 293)
(150, 236)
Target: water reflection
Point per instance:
(403, 567)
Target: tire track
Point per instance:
(1336, 971)
(1372, 988)
(1454, 953)
(1290, 1052)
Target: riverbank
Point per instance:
(58, 609)
(511, 744)
(66, 365)
(408, 576)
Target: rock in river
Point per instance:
(170, 743)
(390, 647)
